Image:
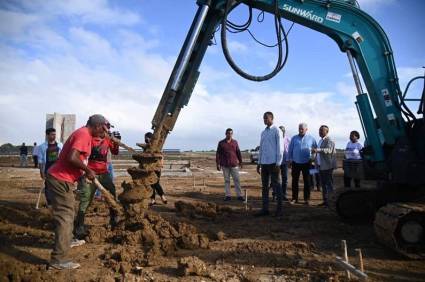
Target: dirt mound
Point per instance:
(201, 209)
(142, 240)
(191, 266)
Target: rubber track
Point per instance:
(386, 223)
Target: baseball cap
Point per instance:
(96, 120)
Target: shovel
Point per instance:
(110, 201)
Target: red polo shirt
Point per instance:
(228, 153)
(99, 151)
(62, 169)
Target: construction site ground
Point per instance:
(300, 246)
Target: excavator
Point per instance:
(394, 152)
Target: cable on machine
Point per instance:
(227, 25)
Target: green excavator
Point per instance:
(394, 152)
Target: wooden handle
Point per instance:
(108, 196)
(118, 141)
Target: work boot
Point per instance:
(80, 231)
(113, 218)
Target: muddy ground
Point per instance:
(204, 239)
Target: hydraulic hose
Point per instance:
(279, 30)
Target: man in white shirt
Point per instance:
(284, 166)
(269, 161)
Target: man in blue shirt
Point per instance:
(48, 153)
(269, 161)
(299, 158)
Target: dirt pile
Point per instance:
(201, 209)
(143, 240)
(191, 266)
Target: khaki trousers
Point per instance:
(63, 217)
(234, 172)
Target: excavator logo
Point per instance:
(303, 13)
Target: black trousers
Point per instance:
(270, 175)
(296, 170)
(157, 188)
(35, 160)
(347, 182)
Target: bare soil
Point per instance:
(196, 236)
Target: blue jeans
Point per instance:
(111, 170)
(270, 173)
(327, 183)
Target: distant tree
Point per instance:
(8, 148)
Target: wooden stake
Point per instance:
(246, 199)
(345, 255)
(360, 259)
(39, 197)
(350, 268)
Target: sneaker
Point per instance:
(262, 213)
(164, 200)
(240, 198)
(65, 265)
(153, 202)
(294, 202)
(77, 243)
(227, 198)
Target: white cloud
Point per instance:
(13, 23)
(407, 73)
(90, 43)
(123, 77)
(236, 46)
(30, 89)
(82, 11)
(346, 89)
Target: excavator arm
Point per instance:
(391, 152)
(355, 32)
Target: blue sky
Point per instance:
(114, 58)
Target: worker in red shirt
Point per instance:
(99, 164)
(61, 176)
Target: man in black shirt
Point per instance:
(23, 153)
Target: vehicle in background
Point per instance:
(253, 155)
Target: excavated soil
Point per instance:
(197, 236)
